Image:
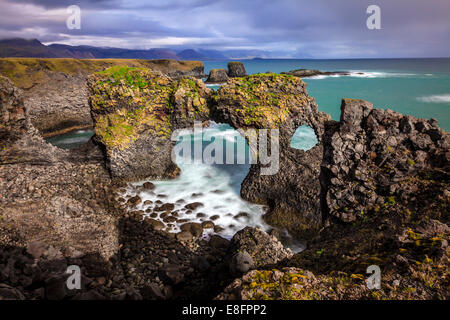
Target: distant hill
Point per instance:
(191, 54)
(22, 48)
(35, 49)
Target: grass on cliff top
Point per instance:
(26, 72)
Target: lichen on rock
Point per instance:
(191, 99)
(132, 110)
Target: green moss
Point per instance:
(264, 100)
(127, 101)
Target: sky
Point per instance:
(279, 28)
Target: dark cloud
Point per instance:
(287, 28)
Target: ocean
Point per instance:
(418, 87)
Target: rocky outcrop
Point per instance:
(217, 76)
(370, 155)
(135, 112)
(12, 113)
(236, 69)
(291, 284)
(131, 110)
(55, 91)
(271, 101)
(305, 73)
(45, 189)
(252, 248)
(191, 103)
(20, 142)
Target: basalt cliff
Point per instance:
(373, 191)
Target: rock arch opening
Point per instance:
(304, 138)
(72, 139)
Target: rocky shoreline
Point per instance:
(374, 190)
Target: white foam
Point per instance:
(443, 98)
(217, 187)
(365, 74)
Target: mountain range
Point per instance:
(33, 48)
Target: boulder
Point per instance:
(236, 69)
(254, 248)
(217, 76)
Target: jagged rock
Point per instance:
(260, 250)
(271, 101)
(190, 103)
(370, 152)
(44, 190)
(12, 112)
(236, 69)
(217, 76)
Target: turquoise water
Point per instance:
(304, 138)
(71, 139)
(418, 87)
(216, 186)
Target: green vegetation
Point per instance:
(263, 100)
(127, 101)
(26, 72)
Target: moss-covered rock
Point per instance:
(55, 91)
(132, 110)
(191, 102)
(135, 112)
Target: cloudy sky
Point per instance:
(283, 28)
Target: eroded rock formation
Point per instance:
(371, 154)
(217, 76)
(271, 101)
(135, 112)
(46, 195)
